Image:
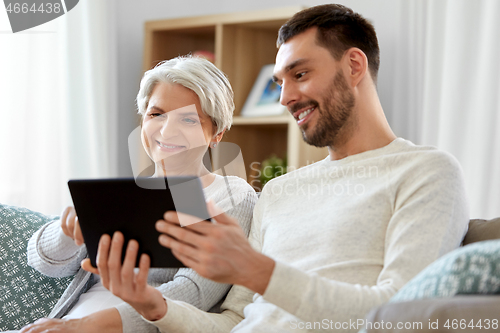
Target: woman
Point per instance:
(186, 106)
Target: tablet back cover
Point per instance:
(104, 206)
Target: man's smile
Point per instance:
(302, 116)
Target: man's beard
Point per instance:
(332, 125)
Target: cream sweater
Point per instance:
(345, 235)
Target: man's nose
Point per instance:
(289, 94)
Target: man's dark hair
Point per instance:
(339, 28)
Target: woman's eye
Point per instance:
(152, 115)
(189, 121)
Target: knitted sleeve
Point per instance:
(53, 253)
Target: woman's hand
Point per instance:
(108, 321)
(70, 225)
(46, 325)
(122, 281)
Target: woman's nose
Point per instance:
(168, 127)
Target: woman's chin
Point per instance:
(172, 168)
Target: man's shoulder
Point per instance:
(418, 166)
(423, 157)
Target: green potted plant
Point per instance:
(272, 167)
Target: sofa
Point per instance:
(460, 292)
(26, 295)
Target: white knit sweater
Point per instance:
(345, 235)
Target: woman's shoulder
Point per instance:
(230, 188)
(234, 196)
(233, 183)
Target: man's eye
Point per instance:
(152, 115)
(300, 75)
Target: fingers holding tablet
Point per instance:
(108, 261)
(121, 279)
(70, 225)
(115, 275)
(87, 265)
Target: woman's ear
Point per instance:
(219, 135)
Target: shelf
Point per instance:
(283, 119)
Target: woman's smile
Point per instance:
(170, 147)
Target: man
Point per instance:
(329, 241)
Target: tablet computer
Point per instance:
(133, 206)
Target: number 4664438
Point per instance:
(478, 324)
(24, 8)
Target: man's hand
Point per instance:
(70, 225)
(218, 251)
(122, 281)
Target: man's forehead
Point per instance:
(298, 50)
(288, 53)
(297, 44)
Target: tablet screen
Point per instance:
(133, 206)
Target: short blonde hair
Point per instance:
(208, 82)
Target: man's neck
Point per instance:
(371, 130)
(356, 146)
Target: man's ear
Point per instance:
(357, 65)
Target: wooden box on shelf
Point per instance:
(242, 44)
